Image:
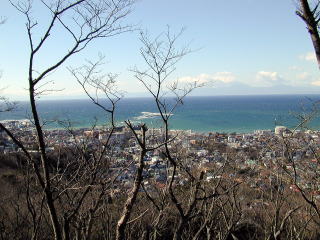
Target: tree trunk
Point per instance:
(309, 17)
(44, 163)
(122, 223)
(178, 233)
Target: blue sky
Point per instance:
(242, 47)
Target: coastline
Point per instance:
(241, 114)
(26, 124)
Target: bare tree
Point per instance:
(310, 14)
(299, 170)
(161, 57)
(84, 21)
(94, 83)
(127, 211)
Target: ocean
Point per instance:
(202, 114)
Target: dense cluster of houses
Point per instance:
(261, 159)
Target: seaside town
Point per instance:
(107, 151)
(257, 158)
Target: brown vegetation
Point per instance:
(73, 192)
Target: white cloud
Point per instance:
(303, 76)
(270, 76)
(224, 77)
(267, 79)
(310, 57)
(316, 83)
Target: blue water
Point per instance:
(203, 114)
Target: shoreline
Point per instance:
(26, 124)
(223, 114)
